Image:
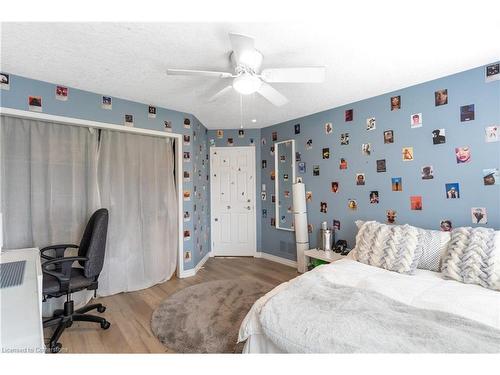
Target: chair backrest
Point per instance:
(93, 243)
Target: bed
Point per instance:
(424, 290)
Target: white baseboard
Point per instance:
(193, 271)
(274, 258)
(187, 273)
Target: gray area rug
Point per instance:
(205, 318)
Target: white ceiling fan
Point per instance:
(247, 76)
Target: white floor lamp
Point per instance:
(300, 223)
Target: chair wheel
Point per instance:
(105, 324)
(101, 309)
(69, 324)
(55, 348)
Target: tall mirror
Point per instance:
(284, 178)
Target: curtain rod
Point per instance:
(81, 122)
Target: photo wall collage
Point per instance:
(38, 96)
(197, 192)
(427, 155)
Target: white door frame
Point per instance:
(121, 128)
(252, 148)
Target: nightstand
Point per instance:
(326, 256)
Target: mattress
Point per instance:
(425, 289)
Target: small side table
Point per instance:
(327, 256)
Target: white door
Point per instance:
(232, 191)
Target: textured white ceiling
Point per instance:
(365, 55)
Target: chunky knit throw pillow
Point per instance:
(431, 247)
(392, 247)
(473, 257)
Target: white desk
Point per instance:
(21, 306)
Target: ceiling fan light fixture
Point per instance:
(246, 84)
(250, 58)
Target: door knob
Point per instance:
(249, 208)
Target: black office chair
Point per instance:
(60, 278)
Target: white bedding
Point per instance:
(425, 289)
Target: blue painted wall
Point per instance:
(87, 105)
(465, 88)
(199, 207)
(250, 138)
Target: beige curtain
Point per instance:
(137, 185)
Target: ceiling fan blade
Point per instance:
(271, 94)
(295, 75)
(199, 73)
(241, 44)
(220, 93)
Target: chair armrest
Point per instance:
(63, 265)
(60, 249)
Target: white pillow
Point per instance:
(473, 257)
(392, 247)
(431, 247)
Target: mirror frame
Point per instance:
(276, 180)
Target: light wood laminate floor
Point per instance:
(130, 313)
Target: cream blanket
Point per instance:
(425, 290)
(311, 315)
